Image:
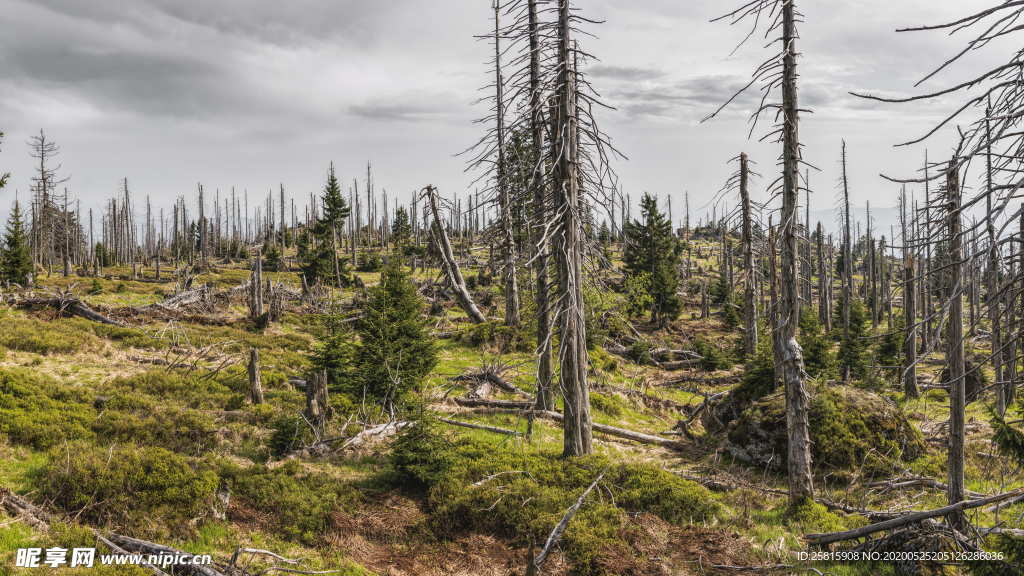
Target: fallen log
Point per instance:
(28, 512)
(910, 518)
(915, 481)
(375, 432)
(144, 546)
(483, 427)
(623, 433)
(67, 305)
(484, 403)
(118, 550)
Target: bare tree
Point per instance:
(780, 72)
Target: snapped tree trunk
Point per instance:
(255, 384)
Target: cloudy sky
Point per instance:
(252, 93)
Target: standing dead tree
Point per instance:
(491, 155)
(909, 373)
(996, 98)
(568, 177)
(748, 212)
(779, 72)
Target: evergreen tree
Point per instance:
(395, 351)
(853, 348)
(818, 357)
(272, 259)
(652, 249)
(319, 259)
(15, 258)
(401, 229)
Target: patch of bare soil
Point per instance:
(387, 537)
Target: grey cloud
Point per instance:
(626, 73)
(405, 111)
(699, 95)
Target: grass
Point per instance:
(205, 425)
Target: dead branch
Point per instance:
(556, 534)
(910, 518)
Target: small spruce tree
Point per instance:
(395, 351)
(819, 361)
(320, 262)
(853, 347)
(652, 248)
(401, 229)
(15, 258)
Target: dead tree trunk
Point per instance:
(256, 288)
(749, 285)
(847, 260)
(909, 309)
(994, 313)
(572, 353)
(449, 264)
(545, 396)
(824, 286)
(955, 346)
(504, 200)
(255, 385)
(801, 486)
(317, 408)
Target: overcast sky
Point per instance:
(250, 93)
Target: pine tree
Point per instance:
(652, 248)
(395, 351)
(15, 258)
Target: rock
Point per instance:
(850, 428)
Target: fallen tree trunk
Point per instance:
(143, 546)
(118, 550)
(483, 427)
(449, 264)
(623, 433)
(491, 378)
(484, 403)
(19, 507)
(910, 518)
(911, 482)
(69, 305)
(375, 432)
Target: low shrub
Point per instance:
(126, 485)
(40, 412)
(471, 485)
(609, 404)
(27, 334)
(713, 357)
(297, 504)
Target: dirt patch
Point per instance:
(387, 537)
